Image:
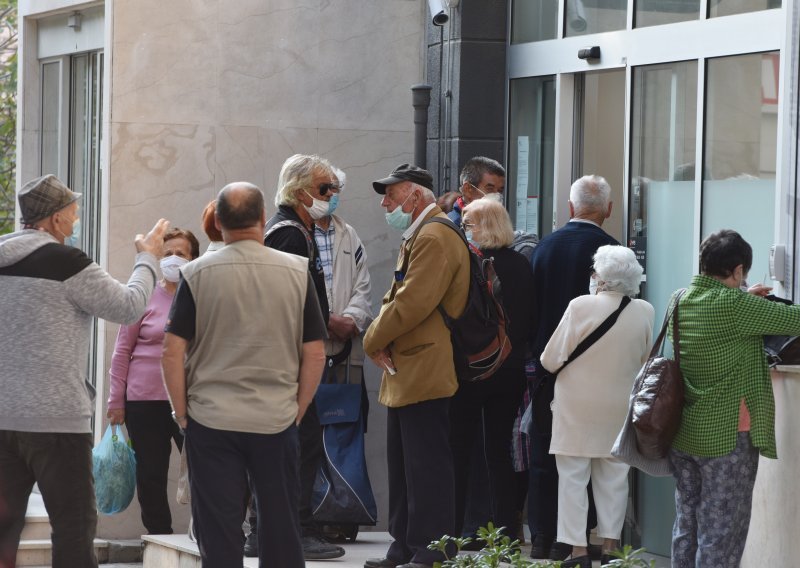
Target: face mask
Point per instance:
(73, 240)
(494, 197)
(593, 285)
(333, 203)
(399, 219)
(468, 234)
(318, 208)
(170, 267)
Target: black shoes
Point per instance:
(560, 551)
(540, 548)
(317, 548)
(578, 562)
(380, 563)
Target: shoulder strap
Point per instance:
(599, 332)
(296, 225)
(673, 311)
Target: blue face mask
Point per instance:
(399, 219)
(74, 240)
(333, 203)
(469, 236)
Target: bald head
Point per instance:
(240, 205)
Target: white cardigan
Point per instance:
(592, 392)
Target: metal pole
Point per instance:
(421, 100)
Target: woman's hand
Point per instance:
(116, 416)
(759, 290)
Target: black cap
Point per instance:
(404, 172)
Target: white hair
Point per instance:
(296, 175)
(341, 176)
(590, 194)
(617, 270)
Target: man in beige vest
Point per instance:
(243, 355)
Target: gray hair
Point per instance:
(617, 270)
(590, 194)
(297, 174)
(473, 170)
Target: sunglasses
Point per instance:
(326, 187)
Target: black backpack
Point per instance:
(480, 335)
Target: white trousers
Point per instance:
(610, 488)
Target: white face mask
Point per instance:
(593, 285)
(170, 267)
(318, 208)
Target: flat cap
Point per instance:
(43, 196)
(404, 172)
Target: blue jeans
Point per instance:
(62, 466)
(713, 498)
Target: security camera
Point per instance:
(438, 14)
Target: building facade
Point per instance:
(149, 107)
(688, 107)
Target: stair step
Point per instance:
(38, 552)
(36, 528)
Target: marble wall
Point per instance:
(205, 92)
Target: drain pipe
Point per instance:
(421, 100)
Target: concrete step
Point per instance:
(36, 528)
(38, 552)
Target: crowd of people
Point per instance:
(223, 352)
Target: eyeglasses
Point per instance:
(465, 226)
(326, 187)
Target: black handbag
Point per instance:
(544, 389)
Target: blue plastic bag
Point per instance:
(114, 468)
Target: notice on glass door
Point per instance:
(528, 214)
(523, 202)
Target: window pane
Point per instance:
(534, 20)
(740, 151)
(51, 97)
(663, 143)
(531, 159)
(731, 7)
(658, 12)
(595, 16)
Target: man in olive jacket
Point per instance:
(410, 341)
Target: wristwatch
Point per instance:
(177, 418)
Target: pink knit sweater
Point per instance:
(136, 364)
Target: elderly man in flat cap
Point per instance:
(411, 342)
(49, 293)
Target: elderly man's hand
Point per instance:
(341, 328)
(383, 359)
(153, 242)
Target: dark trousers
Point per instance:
(312, 452)
(489, 405)
(220, 462)
(420, 467)
(152, 431)
(543, 485)
(62, 466)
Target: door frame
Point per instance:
(700, 40)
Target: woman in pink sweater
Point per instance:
(137, 395)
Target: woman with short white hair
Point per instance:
(591, 400)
